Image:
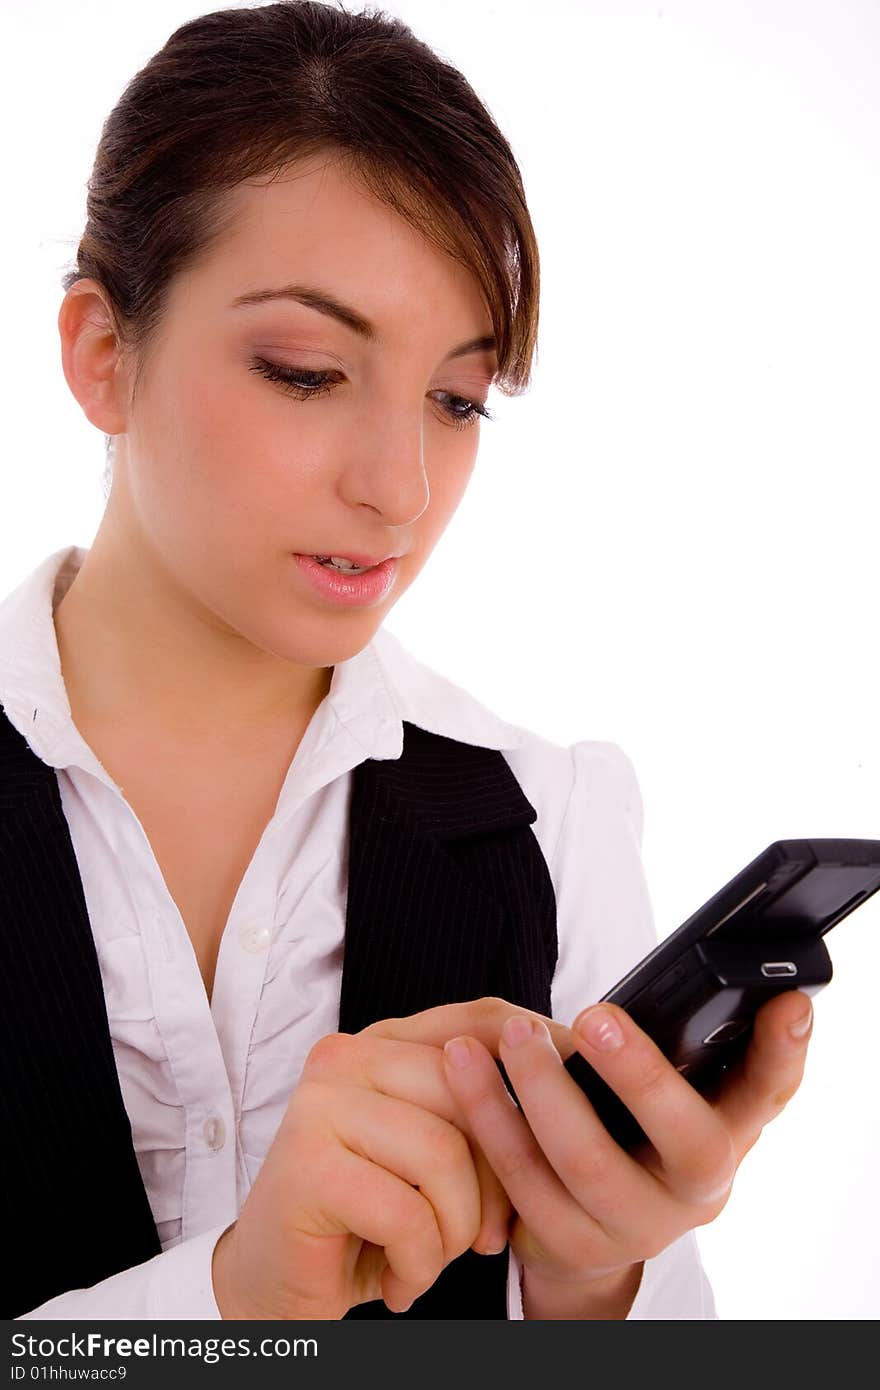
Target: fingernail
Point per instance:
(458, 1051)
(517, 1030)
(493, 1245)
(598, 1028)
(801, 1026)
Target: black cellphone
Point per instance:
(696, 994)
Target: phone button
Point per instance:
(669, 981)
(772, 968)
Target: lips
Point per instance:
(356, 557)
(365, 587)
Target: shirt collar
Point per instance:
(371, 693)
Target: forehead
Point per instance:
(318, 222)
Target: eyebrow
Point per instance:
(326, 304)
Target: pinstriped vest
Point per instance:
(449, 899)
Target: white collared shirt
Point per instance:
(206, 1084)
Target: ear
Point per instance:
(92, 356)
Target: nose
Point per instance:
(386, 468)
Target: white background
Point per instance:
(670, 541)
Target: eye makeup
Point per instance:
(303, 383)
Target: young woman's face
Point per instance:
(227, 474)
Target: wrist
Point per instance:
(234, 1289)
(225, 1293)
(609, 1297)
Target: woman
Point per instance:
(286, 908)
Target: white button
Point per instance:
(214, 1131)
(253, 937)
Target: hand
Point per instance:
(587, 1212)
(370, 1187)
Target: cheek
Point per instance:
(225, 432)
(449, 480)
(238, 469)
(198, 425)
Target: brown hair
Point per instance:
(242, 92)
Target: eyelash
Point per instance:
(292, 378)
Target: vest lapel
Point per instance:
(430, 888)
(74, 1208)
(449, 898)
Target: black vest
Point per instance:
(449, 899)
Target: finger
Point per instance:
(425, 1152)
(376, 1206)
(697, 1161)
(541, 1201)
(495, 1206)
(408, 1070)
(482, 1019)
(604, 1179)
(413, 1072)
(764, 1080)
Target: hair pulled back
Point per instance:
(242, 93)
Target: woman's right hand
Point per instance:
(371, 1185)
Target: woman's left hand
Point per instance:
(586, 1211)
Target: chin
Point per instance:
(324, 646)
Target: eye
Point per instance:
(463, 411)
(297, 381)
(303, 383)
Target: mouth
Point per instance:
(358, 586)
(352, 564)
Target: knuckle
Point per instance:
(309, 1119)
(329, 1052)
(599, 1178)
(509, 1161)
(416, 1217)
(718, 1153)
(304, 1128)
(592, 1168)
(529, 1069)
(713, 1208)
(713, 1168)
(306, 1098)
(448, 1146)
(709, 1207)
(493, 1009)
(414, 1213)
(780, 1096)
(653, 1078)
(462, 1237)
(460, 1229)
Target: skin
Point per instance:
(390, 1160)
(588, 1213)
(220, 473)
(367, 1191)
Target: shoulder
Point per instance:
(592, 781)
(582, 790)
(589, 827)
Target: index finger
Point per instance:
(414, 1072)
(478, 1018)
